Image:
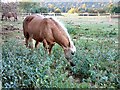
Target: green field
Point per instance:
(96, 59)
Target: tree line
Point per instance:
(69, 7)
(30, 7)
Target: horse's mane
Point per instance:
(59, 24)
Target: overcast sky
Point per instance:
(61, 0)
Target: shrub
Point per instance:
(57, 10)
(115, 9)
(25, 68)
(73, 10)
(96, 62)
(39, 10)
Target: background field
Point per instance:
(96, 59)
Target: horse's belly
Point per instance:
(37, 38)
(35, 34)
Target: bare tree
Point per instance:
(9, 7)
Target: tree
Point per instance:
(92, 11)
(73, 10)
(51, 7)
(84, 6)
(101, 10)
(39, 10)
(115, 9)
(110, 6)
(57, 10)
(43, 10)
(9, 7)
(25, 6)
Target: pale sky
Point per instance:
(5, 1)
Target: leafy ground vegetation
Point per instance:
(96, 59)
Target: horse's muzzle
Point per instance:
(72, 53)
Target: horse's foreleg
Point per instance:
(2, 17)
(50, 48)
(29, 41)
(6, 18)
(36, 44)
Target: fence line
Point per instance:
(79, 14)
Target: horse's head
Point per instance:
(69, 51)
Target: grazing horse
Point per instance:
(8, 15)
(49, 31)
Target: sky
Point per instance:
(58, 0)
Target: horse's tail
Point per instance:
(26, 21)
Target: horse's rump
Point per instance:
(26, 21)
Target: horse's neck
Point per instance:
(60, 38)
(60, 27)
(64, 43)
(60, 35)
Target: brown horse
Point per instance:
(8, 15)
(49, 31)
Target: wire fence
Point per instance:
(78, 14)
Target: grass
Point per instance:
(96, 60)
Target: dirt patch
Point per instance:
(8, 28)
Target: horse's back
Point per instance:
(32, 22)
(28, 19)
(9, 14)
(39, 27)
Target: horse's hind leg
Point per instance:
(45, 44)
(6, 18)
(16, 18)
(30, 42)
(26, 42)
